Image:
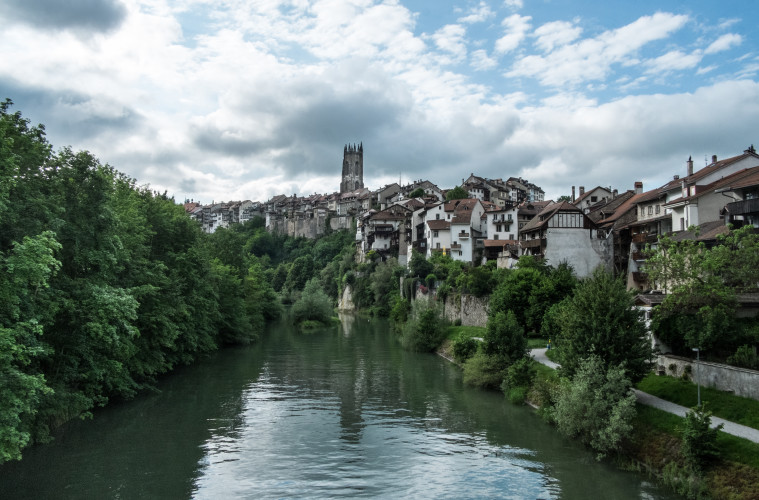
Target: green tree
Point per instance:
(417, 193)
(419, 267)
(600, 318)
(313, 304)
(424, 331)
(699, 438)
(457, 193)
(504, 338)
(596, 406)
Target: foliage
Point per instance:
(514, 291)
(425, 330)
(504, 338)
(482, 370)
(418, 265)
(313, 305)
(600, 319)
(745, 357)
(417, 193)
(699, 438)
(596, 406)
(701, 283)
(457, 193)
(400, 310)
(518, 380)
(463, 347)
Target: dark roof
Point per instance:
(587, 193)
(706, 232)
(500, 243)
(724, 182)
(709, 169)
(438, 224)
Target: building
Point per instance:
(353, 168)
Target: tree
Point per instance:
(699, 438)
(701, 284)
(504, 338)
(596, 406)
(457, 193)
(600, 318)
(417, 193)
(313, 304)
(424, 331)
(419, 267)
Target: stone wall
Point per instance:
(739, 381)
(471, 310)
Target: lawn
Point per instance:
(469, 331)
(722, 404)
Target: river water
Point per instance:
(339, 412)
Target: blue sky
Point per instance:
(228, 100)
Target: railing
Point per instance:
(743, 207)
(462, 234)
(530, 243)
(456, 246)
(639, 238)
(639, 256)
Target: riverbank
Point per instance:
(655, 448)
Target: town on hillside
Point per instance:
(502, 220)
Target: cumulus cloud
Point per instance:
(592, 58)
(478, 14)
(515, 28)
(556, 33)
(451, 40)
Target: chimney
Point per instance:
(573, 194)
(638, 187)
(714, 158)
(614, 194)
(582, 190)
(690, 166)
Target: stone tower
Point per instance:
(353, 168)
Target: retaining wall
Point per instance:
(739, 381)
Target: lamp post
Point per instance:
(698, 381)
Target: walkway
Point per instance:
(647, 399)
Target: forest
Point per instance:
(105, 284)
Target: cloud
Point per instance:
(557, 33)
(592, 58)
(478, 14)
(450, 39)
(481, 61)
(674, 60)
(723, 43)
(515, 28)
(79, 15)
(514, 4)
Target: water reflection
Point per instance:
(339, 412)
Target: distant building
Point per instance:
(353, 168)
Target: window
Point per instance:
(511, 236)
(460, 253)
(650, 210)
(434, 234)
(498, 228)
(495, 236)
(593, 199)
(437, 245)
(437, 216)
(658, 208)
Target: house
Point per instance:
(500, 231)
(561, 232)
(456, 227)
(589, 198)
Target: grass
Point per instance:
(469, 331)
(685, 393)
(536, 343)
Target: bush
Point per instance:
(505, 338)
(313, 304)
(744, 357)
(520, 374)
(699, 438)
(424, 331)
(464, 347)
(482, 370)
(596, 406)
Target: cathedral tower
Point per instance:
(353, 168)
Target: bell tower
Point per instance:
(353, 168)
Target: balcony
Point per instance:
(639, 256)
(744, 207)
(530, 243)
(463, 235)
(639, 238)
(456, 246)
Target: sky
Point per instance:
(220, 100)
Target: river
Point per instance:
(339, 412)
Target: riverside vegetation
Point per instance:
(106, 285)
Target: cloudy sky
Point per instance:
(245, 99)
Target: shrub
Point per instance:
(596, 406)
(424, 331)
(520, 374)
(744, 357)
(313, 304)
(482, 370)
(505, 338)
(463, 347)
(699, 438)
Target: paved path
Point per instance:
(647, 399)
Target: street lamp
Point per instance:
(698, 382)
